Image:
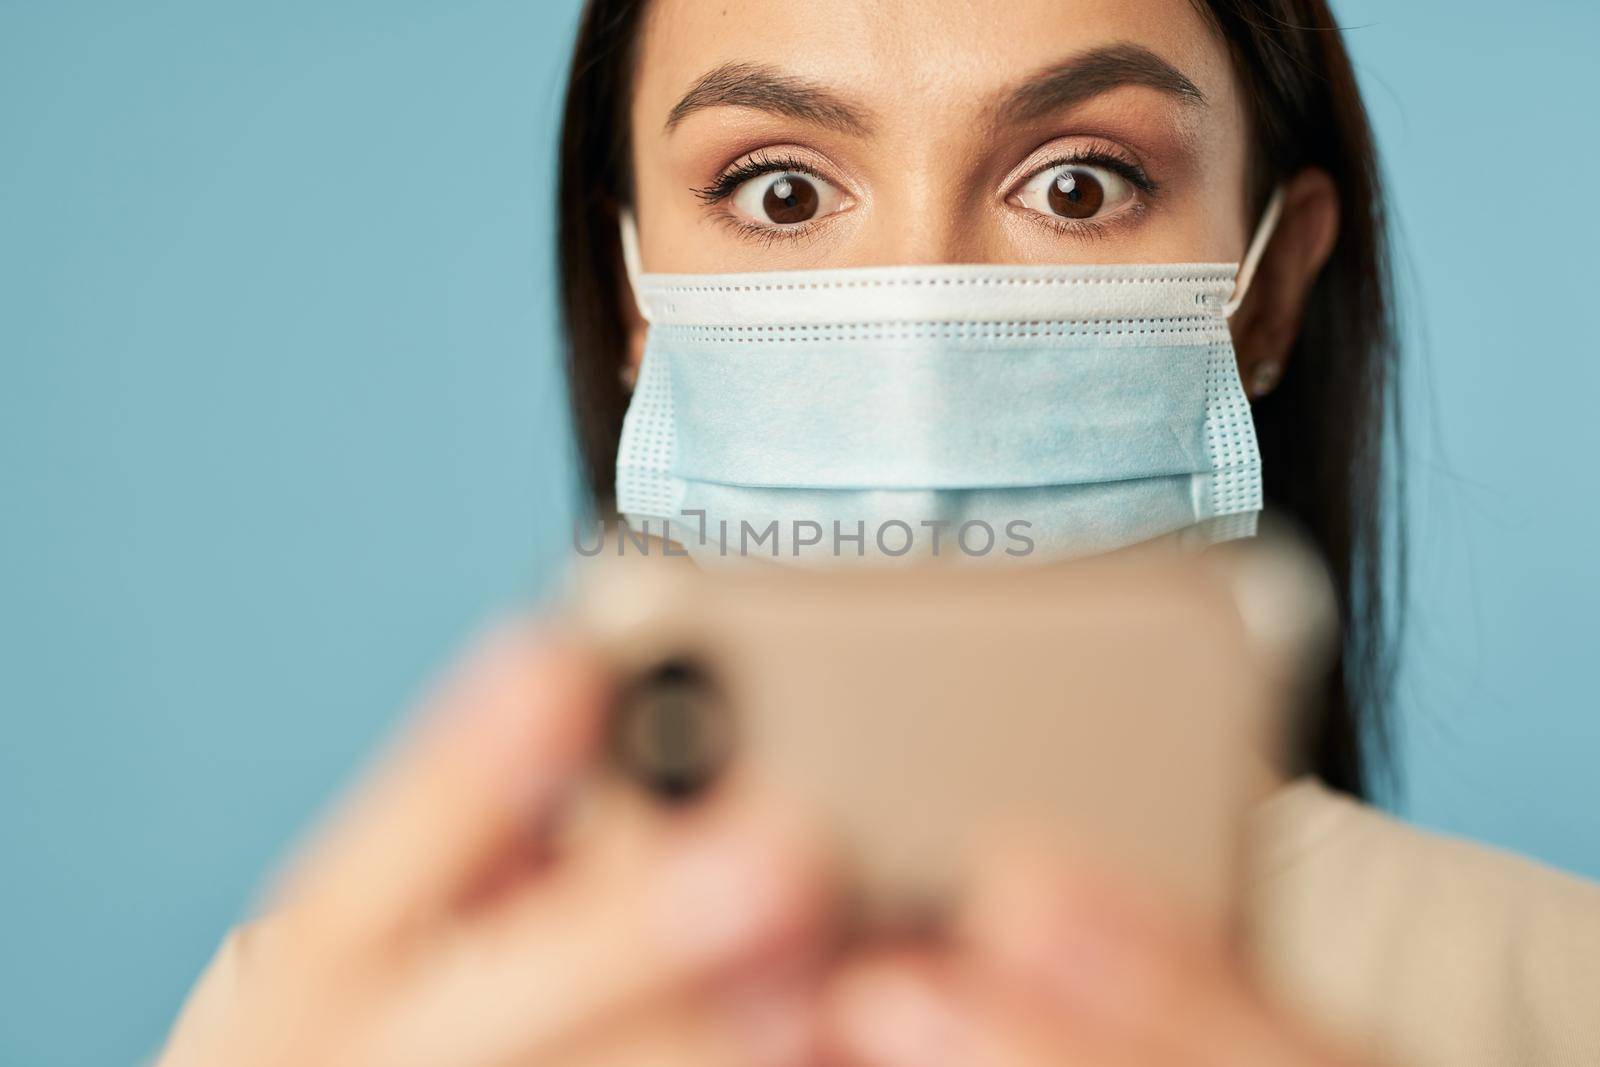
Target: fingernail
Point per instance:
(1042, 931)
(1091, 965)
(774, 1027)
(526, 699)
(893, 1018)
(718, 896)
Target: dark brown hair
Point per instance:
(1325, 432)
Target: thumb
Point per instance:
(493, 751)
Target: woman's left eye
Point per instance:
(1074, 191)
(785, 199)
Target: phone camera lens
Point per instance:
(672, 731)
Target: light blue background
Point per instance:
(280, 420)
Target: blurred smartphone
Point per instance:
(1119, 709)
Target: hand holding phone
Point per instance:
(1124, 708)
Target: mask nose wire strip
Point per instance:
(630, 258)
(1258, 248)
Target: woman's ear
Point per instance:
(1265, 327)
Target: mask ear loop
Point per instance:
(629, 232)
(1258, 248)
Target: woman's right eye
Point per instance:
(1075, 191)
(779, 200)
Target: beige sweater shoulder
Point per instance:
(1420, 949)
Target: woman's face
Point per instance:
(771, 134)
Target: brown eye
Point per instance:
(1076, 195)
(789, 200)
(1074, 191)
(786, 199)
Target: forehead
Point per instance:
(915, 56)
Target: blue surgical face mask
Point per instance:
(963, 410)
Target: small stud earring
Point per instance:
(1264, 378)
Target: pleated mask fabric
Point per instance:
(1012, 411)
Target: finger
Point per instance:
(1100, 957)
(892, 1007)
(898, 1013)
(1023, 906)
(735, 884)
(1083, 934)
(758, 1027)
(492, 752)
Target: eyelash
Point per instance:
(1104, 157)
(1098, 156)
(729, 181)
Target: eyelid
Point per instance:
(1082, 151)
(721, 196)
(1047, 176)
(772, 160)
(830, 198)
(1115, 170)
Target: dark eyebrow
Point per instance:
(767, 89)
(1072, 81)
